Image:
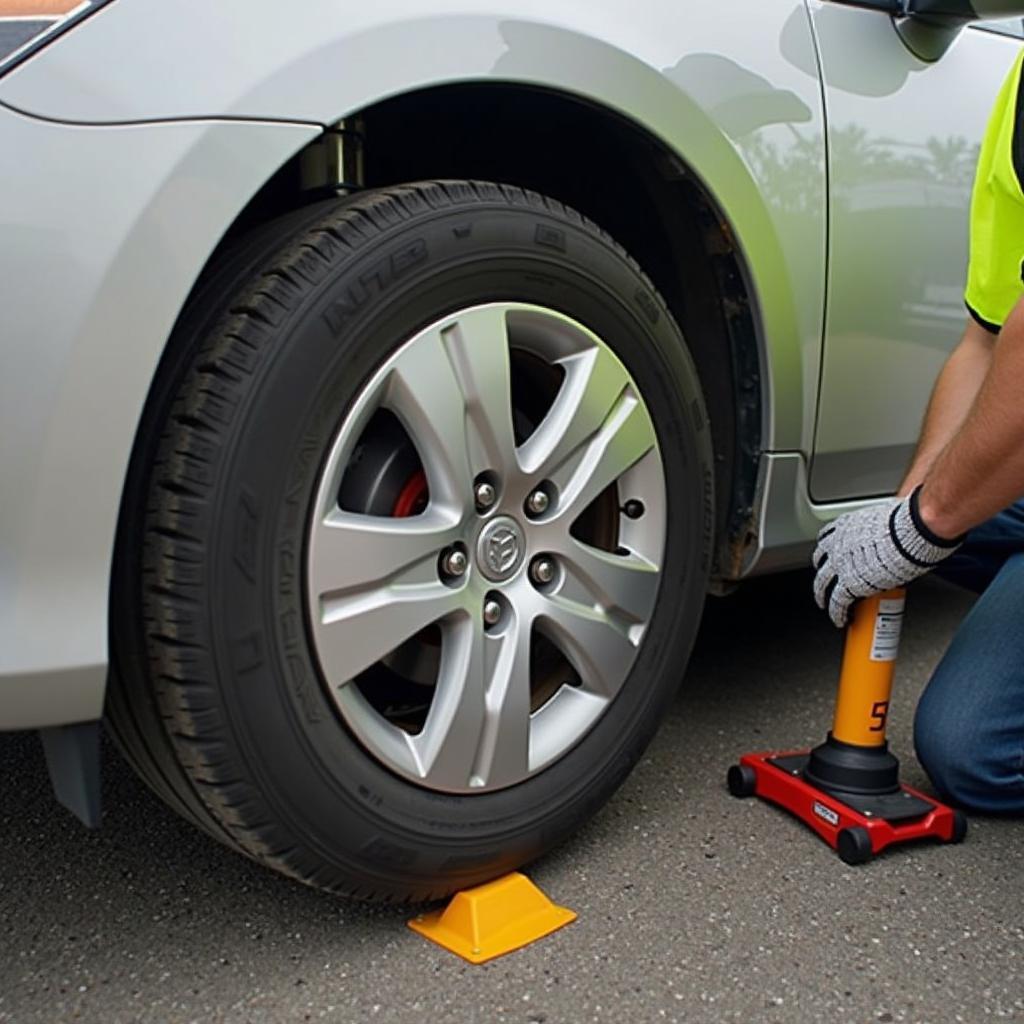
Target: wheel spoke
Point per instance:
(598, 646)
(477, 349)
(625, 437)
(594, 381)
(625, 584)
(349, 551)
(356, 629)
(503, 754)
(451, 389)
(478, 729)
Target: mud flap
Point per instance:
(73, 759)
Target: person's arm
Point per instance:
(954, 393)
(981, 469)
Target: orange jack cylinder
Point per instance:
(865, 679)
(847, 789)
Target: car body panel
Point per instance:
(787, 521)
(903, 143)
(144, 132)
(105, 231)
(738, 98)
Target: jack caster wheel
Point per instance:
(854, 846)
(959, 827)
(741, 780)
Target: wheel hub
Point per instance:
(522, 439)
(500, 549)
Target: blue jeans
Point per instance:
(969, 727)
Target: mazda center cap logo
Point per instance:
(500, 548)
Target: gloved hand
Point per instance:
(874, 549)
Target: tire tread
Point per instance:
(190, 763)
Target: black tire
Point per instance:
(854, 846)
(133, 716)
(741, 780)
(216, 699)
(959, 827)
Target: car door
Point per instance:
(903, 139)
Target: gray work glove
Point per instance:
(872, 550)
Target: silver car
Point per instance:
(385, 386)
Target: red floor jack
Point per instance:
(848, 789)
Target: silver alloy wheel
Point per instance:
(374, 582)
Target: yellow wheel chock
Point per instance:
(490, 920)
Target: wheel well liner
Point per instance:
(624, 179)
(645, 196)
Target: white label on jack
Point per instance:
(888, 623)
(826, 813)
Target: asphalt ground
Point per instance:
(693, 906)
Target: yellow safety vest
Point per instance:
(994, 282)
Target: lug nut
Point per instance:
(634, 508)
(492, 612)
(537, 503)
(454, 562)
(485, 495)
(542, 571)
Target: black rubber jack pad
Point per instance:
(894, 807)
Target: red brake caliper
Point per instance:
(412, 498)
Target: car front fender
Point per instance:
(104, 232)
(735, 95)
